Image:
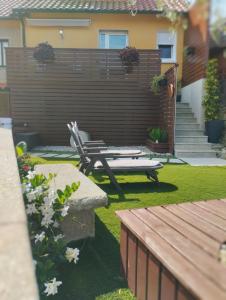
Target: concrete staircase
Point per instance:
(190, 140)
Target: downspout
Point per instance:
(175, 106)
(23, 32)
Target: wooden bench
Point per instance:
(80, 222)
(171, 252)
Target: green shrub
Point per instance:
(158, 135)
(211, 99)
(157, 82)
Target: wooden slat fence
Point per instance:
(90, 86)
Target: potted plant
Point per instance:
(211, 101)
(44, 53)
(158, 82)
(157, 140)
(129, 57)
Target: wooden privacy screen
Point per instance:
(4, 104)
(87, 85)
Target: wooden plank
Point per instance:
(142, 264)
(168, 286)
(214, 206)
(199, 238)
(132, 262)
(124, 250)
(184, 295)
(204, 214)
(189, 276)
(205, 263)
(205, 227)
(154, 279)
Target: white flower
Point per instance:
(39, 237)
(31, 209)
(56, 224)
(34, 263)
(52, 287)
(26, 187)
(64, 210)
(52, 195)
(31, 196)
(46, 221)
(31, 175)
(38, 191)
(46, 210)
(72, 254)
(58, 237)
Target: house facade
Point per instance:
(91, 24)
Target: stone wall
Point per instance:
(17, 274)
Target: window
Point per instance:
(166, 43)
(113, 39)
(3, 45)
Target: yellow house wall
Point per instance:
(9, 30)
(142, 32)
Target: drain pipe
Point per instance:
(175, 105)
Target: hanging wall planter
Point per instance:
(44, 53)
(158, 82)
(129, 57)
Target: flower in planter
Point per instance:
(52, 287)
(45, 210)
(129, 56)
(44, 53)
(72, 254)
(158, 135)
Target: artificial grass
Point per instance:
(97, 274)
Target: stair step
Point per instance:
(192, 146)
(186, 120)
(182, 104)
(187, 126)
(184, 115)
(189, 132)
(195, 153)
(183, 110)
(191, 139)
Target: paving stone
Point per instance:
(49, 155)
(160, 159)
(63, 155)
(205, 161)
(37, 154)
(175, 161)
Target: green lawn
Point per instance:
(97, 275)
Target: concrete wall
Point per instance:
(142, 32)
(193, 94)
(17, 274)
(9, 30)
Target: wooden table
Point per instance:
(171, 252)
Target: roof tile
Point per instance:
(7, 7)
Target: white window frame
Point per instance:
(173, 59)
(3, 40)
(112, 32)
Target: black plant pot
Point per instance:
(214, 130)
(178, 98)
(163, 82)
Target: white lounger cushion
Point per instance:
(130, 163)
(127, 152)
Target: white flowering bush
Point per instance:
(45, 209)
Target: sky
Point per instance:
(218, 9)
